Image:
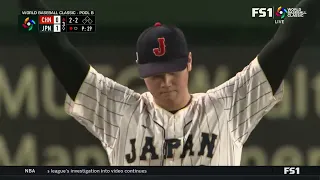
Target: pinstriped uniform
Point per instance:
(210, 131)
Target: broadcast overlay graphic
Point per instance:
(281, 12)
(57, 21)
(277, 13)
(28, 24)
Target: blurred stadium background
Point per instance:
(34, 129)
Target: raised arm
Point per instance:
(276, 57)
(67, 63)
(254, 91)
(95, 101)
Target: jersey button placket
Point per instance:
(168, 132)
(172, 126)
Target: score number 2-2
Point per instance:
(73, 20)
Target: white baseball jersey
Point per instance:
(210, 131)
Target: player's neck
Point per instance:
(176, 105)
(185, 105)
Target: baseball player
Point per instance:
(168, 126)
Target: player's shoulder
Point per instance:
(206, 98)
(207, 102)
(147, 96)
(198, 96)
(147, 99)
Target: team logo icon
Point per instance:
(281, 12)
(161, 50)
(28, 24)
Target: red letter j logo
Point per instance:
(161, 50)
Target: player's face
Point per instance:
(170, 89)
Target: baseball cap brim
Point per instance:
(156, 68)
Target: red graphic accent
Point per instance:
(70, 28)
(161, 50)
(46, 20)
(157, 24)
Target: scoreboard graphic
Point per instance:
(57, 21)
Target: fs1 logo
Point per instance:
(291, 170)
(262, 12)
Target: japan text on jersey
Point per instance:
(210, 131)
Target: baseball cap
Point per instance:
(161, 49)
